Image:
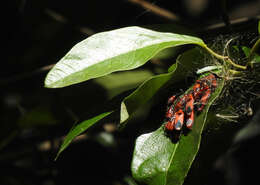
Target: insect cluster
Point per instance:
(181, 109)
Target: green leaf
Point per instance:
(246, 51)
(107, 52)
(255, 58)
(143, 94)
(159, 161)
(80, 128)
(187, 62)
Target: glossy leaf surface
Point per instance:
(107, 52)
(159, 161)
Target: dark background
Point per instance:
(34, 120)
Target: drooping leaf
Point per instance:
(159, 161)
(142, 95)
(107, 52)
(189, 61)
(80, 128)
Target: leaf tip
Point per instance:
(55, 159)
(48, 83)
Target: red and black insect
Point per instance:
(180, 110)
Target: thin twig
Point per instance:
(225, 58)
(156, 9)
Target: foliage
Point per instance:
(107, 52)
(112, 119)
(157, 159)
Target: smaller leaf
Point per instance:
(246, 51)
(80, 128)
(142, 95)
(255, 58)
(187, 62)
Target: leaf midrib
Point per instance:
(170, 162)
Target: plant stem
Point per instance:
(224, 58)
(235, 65)
(234, 72)
(254, 48)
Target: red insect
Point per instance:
(209, 83)
(176, 121)
(171, 100)
(179, 119)
(204, 99)
(190, 111)
(169, 113)
(181, 110)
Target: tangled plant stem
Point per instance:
(224, 58)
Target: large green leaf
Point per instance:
(117, 50)
(159, 161)
(187, 62)
(80, 128)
